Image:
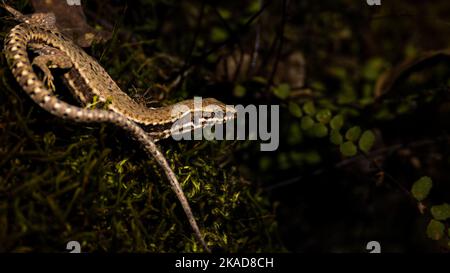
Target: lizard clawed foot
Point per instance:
(48, 77)
(48, 80)
(49, 58)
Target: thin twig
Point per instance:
(280, 44)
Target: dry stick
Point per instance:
(232, 34)
(395, 181)
(255, 52)
(194, 39)
(280, 45)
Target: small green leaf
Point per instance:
(239, 91)
(260, 80)
(306, 123)
(366, 141)
(404, 107)
(120, 166)
(441, 212)
(282, 91)
(312, 158)
(218, 34)
(226, 14)
(283, 161)
(295, 134)
(49, 139)
(348, 148)
(353, 133)
(254, 6)
(318, 86)
(435, 230)
(336, 137)
(373, 68)
(323, 116)
(295, 109)
(421, 188)
(264, 163)
(320, 130)
(338, 72)
(309, 108)
(337, 122)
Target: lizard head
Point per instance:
(189, 115)
(208, 109)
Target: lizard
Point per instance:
(87, 79)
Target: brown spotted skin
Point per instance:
(27, 33)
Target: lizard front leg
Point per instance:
(49, 57)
